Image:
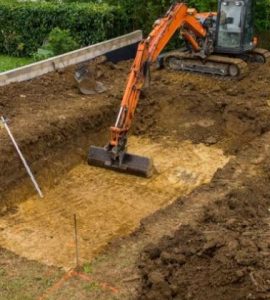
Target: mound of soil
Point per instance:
(226, 254)
(194, 266)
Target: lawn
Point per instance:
(10, 62)
(21, 279)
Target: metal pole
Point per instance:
(76, 240)
(21, 157)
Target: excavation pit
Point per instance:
(107, 204)
(206, 137)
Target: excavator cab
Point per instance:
(235, 27)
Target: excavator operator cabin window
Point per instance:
(230, 25)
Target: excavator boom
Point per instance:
(114, 155)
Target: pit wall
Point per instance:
(120, 48)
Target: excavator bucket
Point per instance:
(85, 76)
(131, 164)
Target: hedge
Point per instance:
(25, 26)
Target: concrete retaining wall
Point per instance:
(78, 56)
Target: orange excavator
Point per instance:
(217, 43)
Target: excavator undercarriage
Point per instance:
(236, 67)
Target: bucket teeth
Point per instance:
(131, 164)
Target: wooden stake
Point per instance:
(76, 241)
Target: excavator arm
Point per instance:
(148, 51)
(114, 155)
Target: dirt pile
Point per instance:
(226, 254)
(193, 266)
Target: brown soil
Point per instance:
(192, 125)
(225, 254)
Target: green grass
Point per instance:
(21, 279)
(10, 62)
(87, 268)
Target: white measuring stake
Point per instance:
(21, 157)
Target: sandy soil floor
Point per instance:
(107, 204)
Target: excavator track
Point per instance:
(213, 64)
(259, 55)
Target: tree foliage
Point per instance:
(144, 12)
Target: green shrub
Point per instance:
(59, 42)
(42, 53)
